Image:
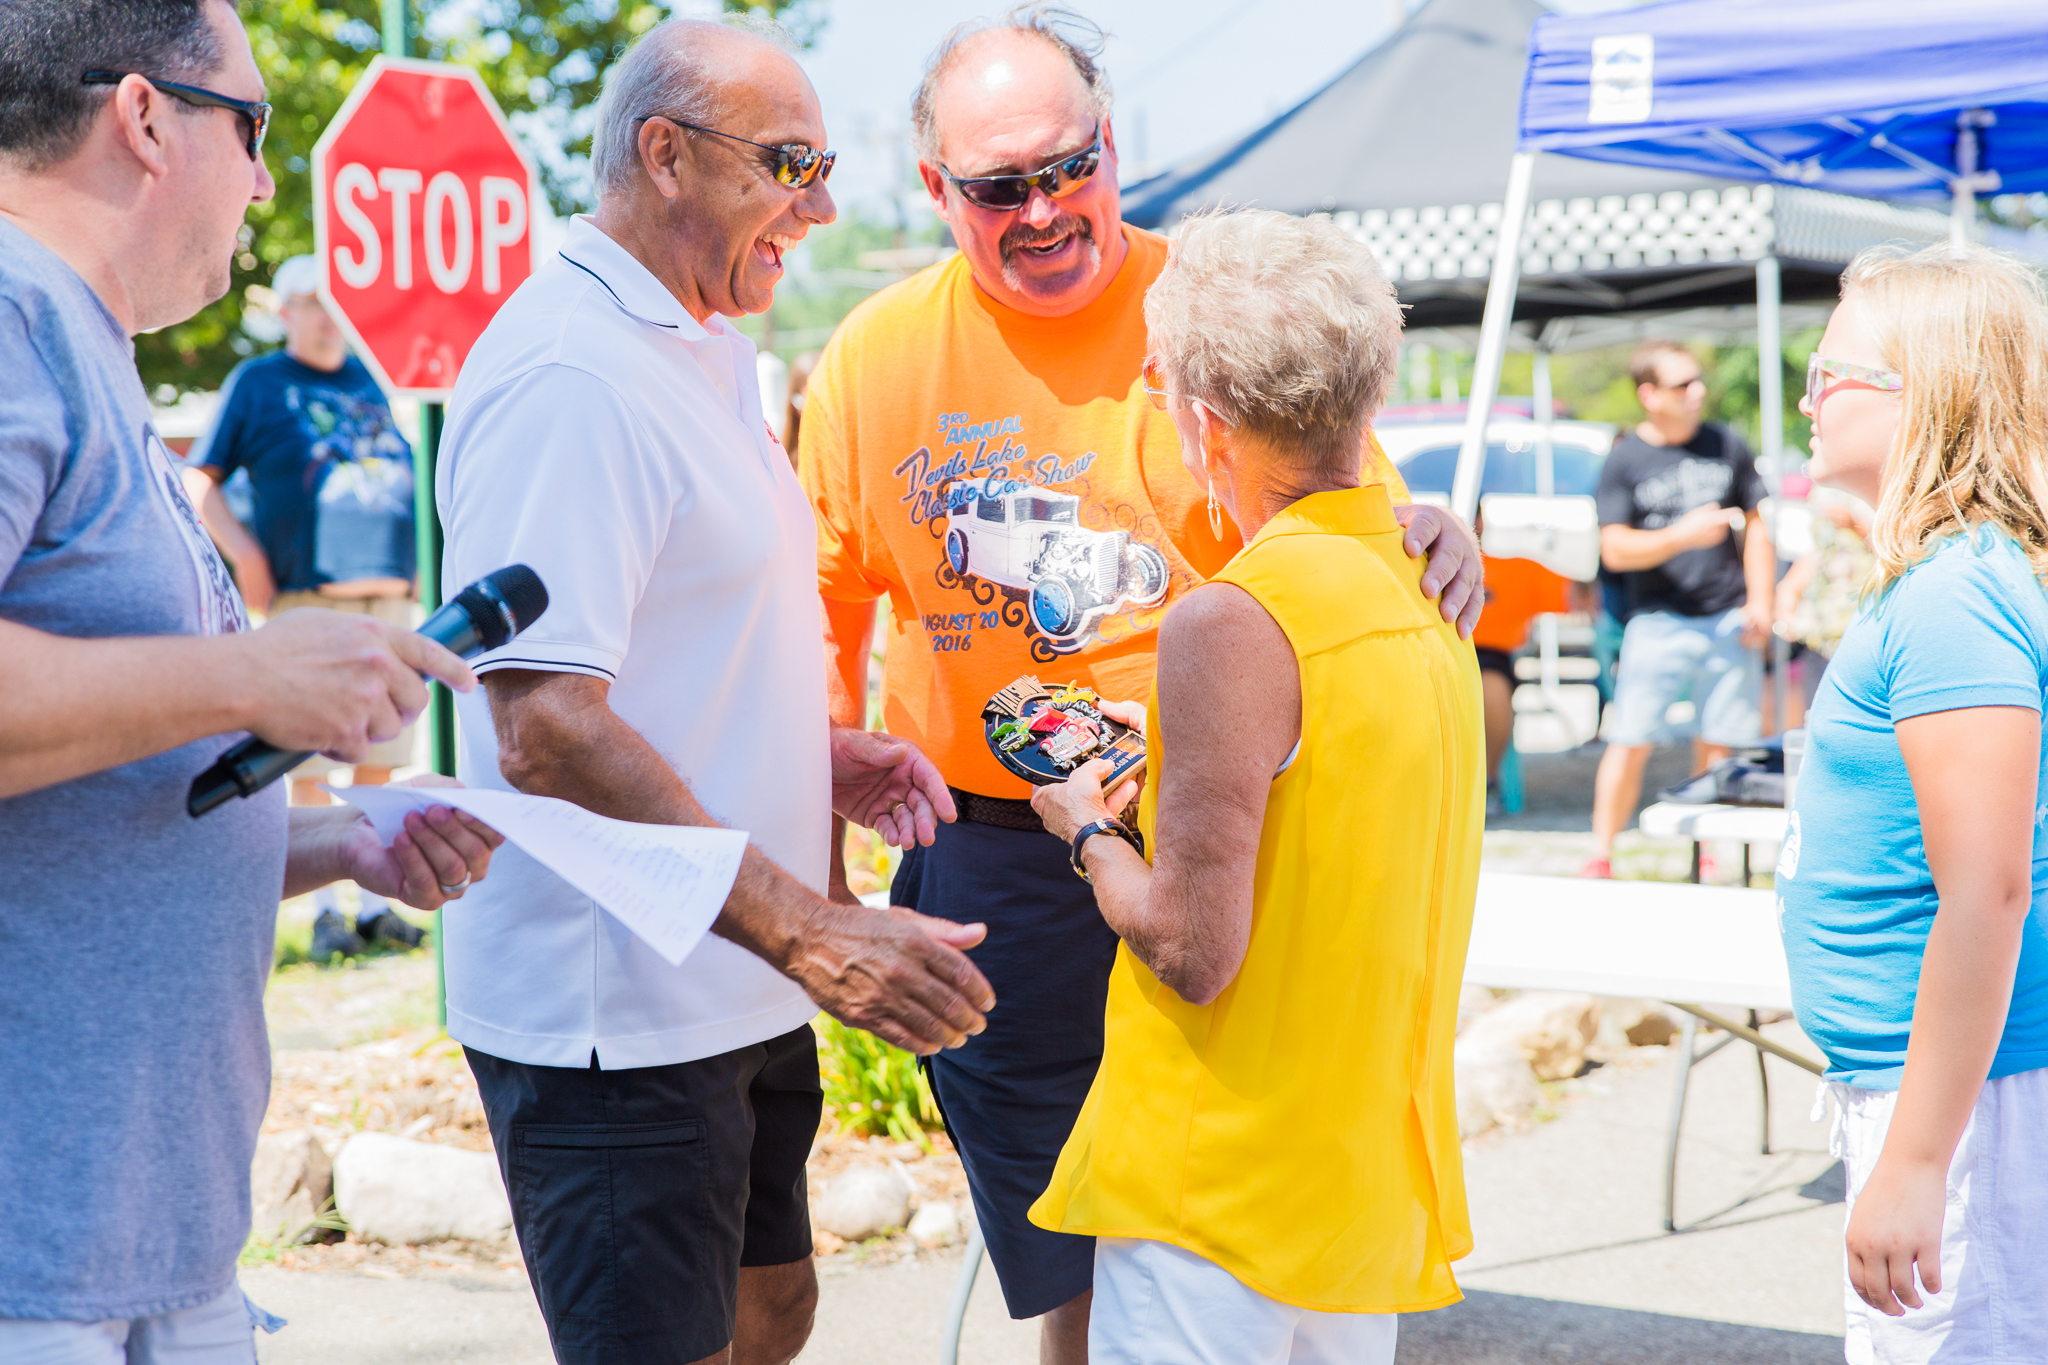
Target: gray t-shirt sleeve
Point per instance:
(1615, 494)
(32, 438)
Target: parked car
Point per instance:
(1426, 453)
(1030, 543)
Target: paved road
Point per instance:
(1571, 1264)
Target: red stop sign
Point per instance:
(423, 204)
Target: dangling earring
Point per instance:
(1215, 507)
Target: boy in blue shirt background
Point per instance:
(331, 484)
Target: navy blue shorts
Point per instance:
(1011, 1095)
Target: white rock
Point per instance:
(290, 1182)
(392, 1190)
(864, 1201)
(935, 1224)
(1627, 1023)
(1495, 1084)
(1473, 1001)
(1552, 1029)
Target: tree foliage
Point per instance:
(542, 59)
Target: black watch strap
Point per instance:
(1089, 831)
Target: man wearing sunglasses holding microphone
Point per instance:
(979, 447)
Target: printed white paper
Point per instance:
(664, 882)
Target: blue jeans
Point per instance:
(1665, 657)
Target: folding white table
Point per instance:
(1750, 824)
(1711, 952)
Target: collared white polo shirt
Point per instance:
(601, 435)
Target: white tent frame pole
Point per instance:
(1493, 335)
(1770, 392)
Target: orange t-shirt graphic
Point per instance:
(1004, 480)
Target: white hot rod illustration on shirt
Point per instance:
(1030, 543)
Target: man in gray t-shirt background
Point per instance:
(132, 1082)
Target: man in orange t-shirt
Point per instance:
(979, 448)
(1517, 591)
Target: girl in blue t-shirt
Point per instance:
(1917, 855)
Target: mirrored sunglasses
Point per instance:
(795, 164)
(1007, 193)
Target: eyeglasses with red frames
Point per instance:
(1819, 370)
(254, 112)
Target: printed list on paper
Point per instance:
(666, 883)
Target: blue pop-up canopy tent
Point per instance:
(1891, 98)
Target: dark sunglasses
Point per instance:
(796, 164)
(255, 111)
(1008, 193)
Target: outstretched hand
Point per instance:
(888, 785)
(902, 976)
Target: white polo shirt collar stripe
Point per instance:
(631, 284)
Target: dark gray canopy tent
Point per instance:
(1404, 149)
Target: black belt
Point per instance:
(999, 811)
(1004, 813)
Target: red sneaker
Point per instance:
(1598, 867)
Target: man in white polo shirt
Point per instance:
(652, 1121)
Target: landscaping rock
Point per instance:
(1552, 1030)
(290, 1182)
(1495, 1084)
(1473, 1001)
(935, 1224)
(1627, 1023)
(866, 1200)
(400, 1192)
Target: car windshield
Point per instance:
(1509, 469)
(1046, 509)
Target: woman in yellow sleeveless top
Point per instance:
(1269, 1156)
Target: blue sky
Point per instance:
(1187, 73)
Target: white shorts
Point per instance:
(221, 1331)
(1993, 1304)
(1156, 1304)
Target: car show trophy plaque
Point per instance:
(1043, 734)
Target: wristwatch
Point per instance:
(1109, 826)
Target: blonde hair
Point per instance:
(1967, 330)
(1286, 326)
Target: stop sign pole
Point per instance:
(423, 204)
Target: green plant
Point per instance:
(269, 1250)
(873, 1088)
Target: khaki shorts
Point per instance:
(401, 612)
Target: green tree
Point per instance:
(542, 59)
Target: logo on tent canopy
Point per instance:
(1621, 78)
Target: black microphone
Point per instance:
(483, 616)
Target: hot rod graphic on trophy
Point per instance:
(1031, 544)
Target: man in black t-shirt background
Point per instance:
(1694, 597)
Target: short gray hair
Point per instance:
(1073, 36)
(1286, 326)
(665, 73)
